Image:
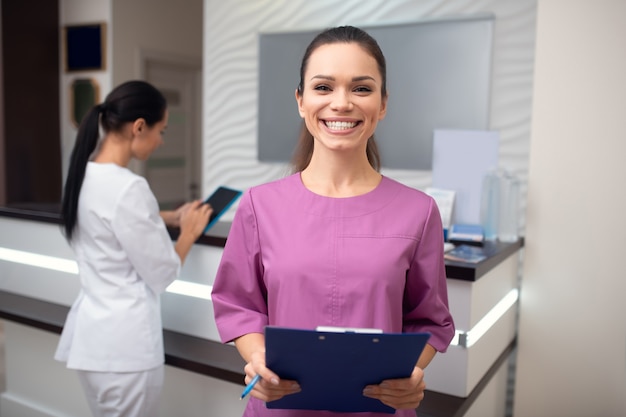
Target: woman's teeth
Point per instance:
(340, 125)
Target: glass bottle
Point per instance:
(509, 208)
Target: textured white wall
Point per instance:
(572, 339)
(230, 75)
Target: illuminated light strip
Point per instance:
(191, 289)
(469, 338)
(41, 261)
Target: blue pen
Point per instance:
(251, 385)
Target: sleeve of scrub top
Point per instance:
(144, 237)
(426, 295)
(239, 294)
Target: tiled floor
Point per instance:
(510, 386)
(2, 368)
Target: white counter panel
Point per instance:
(36, 238)
(191, 315)
(470, 300)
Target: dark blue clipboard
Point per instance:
(333, 368)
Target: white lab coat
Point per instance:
(125, 260)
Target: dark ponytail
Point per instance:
(128, 102)
(86, 141)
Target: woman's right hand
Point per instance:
(194, 217)
(270, 387)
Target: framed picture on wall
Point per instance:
(84, 47)
(84, 94)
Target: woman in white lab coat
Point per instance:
(113, 333)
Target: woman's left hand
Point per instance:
(405, 393)
(180, 212)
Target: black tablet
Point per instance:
(220, 201)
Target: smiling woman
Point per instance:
(336, 243)
(340, 109)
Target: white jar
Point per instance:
(490, 205)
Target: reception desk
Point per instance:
(38, 283)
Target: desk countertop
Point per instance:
(217, 235)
